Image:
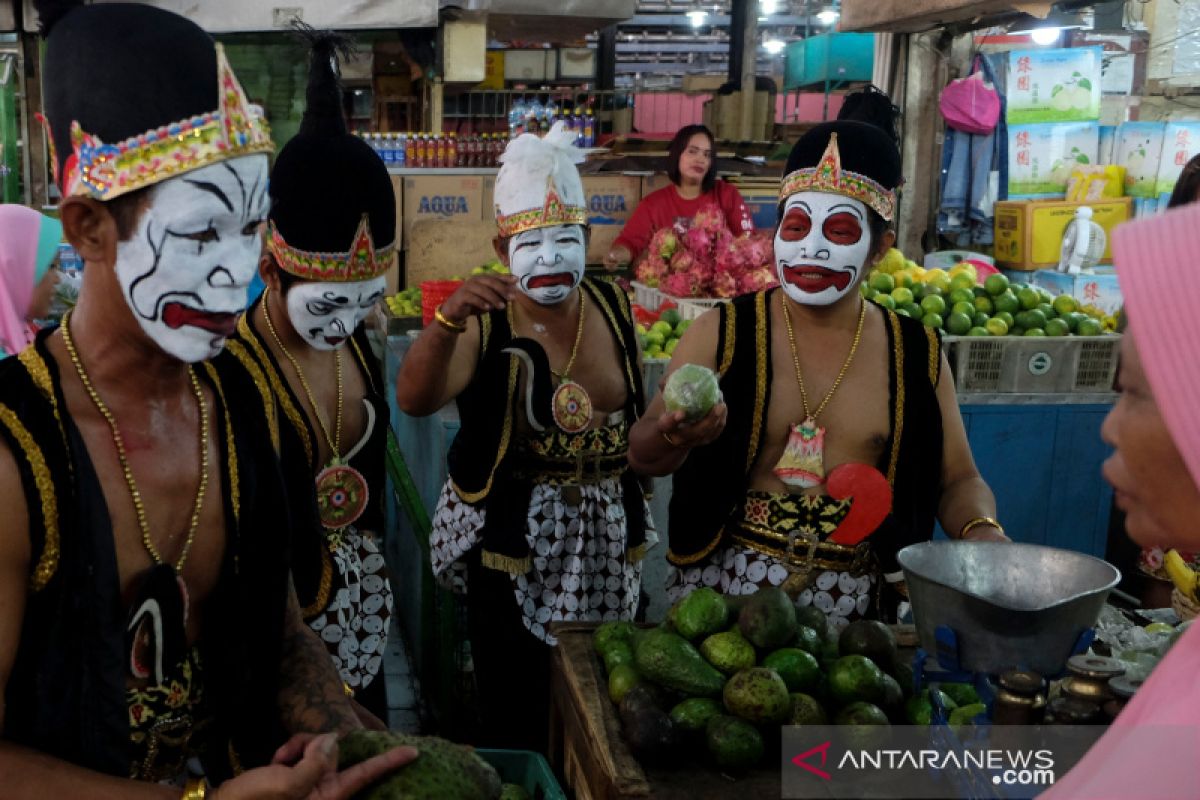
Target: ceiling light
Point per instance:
(774, 46)
(769, 7)
(697, 18)
(1045, 36)
(828, 16)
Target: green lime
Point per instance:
(1159, 627)
(932, 321)
(1029, 298)
(963, 280)
(866, 291)
(958, 324)
(1031, 319)
(996, 285)
(1089, 327)
(882, 282)
(623, 678)
(961, 296)
(665, 328)
(1006, 301)
(979, 291)
(1007, 317)
(979, 319)
(1057, 327)
(1044, 293)
(1047, 310)
(884, 300)
(670, 317)
(984, 305)
(902, 296)
(1035, 332)
(978, 331)
(1065, 304)
(963, 308)
(1016, 330)
(933, 304)
(1073, 319)
(655, 338)
(903, 312)
(997, 327)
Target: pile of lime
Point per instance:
(660, 338)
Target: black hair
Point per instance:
(127, 209)
(1188, 186)
(872, 105)
(675, 152)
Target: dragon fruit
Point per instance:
(757, 280)
(682, 284)
(664, 243)
(710, 219)
(682, 261)
(651, 271)
(698, 240)
(725, 284)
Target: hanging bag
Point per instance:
(971, 105)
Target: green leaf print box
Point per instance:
(1054, 85)
(1041, 157)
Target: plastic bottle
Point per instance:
(577, 126)
(410, 150)
(401, 157)
(535, 113)
(452, 152)
(418, 160)
(516, 117)
(589, 128)
(439, 151)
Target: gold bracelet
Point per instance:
(447, 323)
(670, 441)
(196, 789)
(346, 688)
(975, 523)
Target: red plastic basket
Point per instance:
(433, 294)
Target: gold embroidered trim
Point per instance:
(235, 490)
(935, 363)
(238, 351)
(48, 562)
(699, 555)
(635, 554)
(505, 437)
(285, 401)
(40, 374)
(616, 328)
(828, 176)
(362, 262)
(485, 332)
(366, 366)
(730, 337)
(323, 587)
(760, 383)
(858, 562)
(513, 566)
(898, 418)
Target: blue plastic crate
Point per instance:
(832, 57)
(528, 770)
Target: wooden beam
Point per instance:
(37, 184)
(921, 147)
(913, 16)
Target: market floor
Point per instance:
(403, 691)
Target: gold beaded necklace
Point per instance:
(570, 406)
(802, 464)
(119, 441)
(342, 491)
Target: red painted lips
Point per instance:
(554, 279)
(177, 315)
(815, 279)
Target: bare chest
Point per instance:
(597, 364)
(339, 413)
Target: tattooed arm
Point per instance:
(311, 696)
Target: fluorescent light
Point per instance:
(769, 7)
(828, 16)
(697, 18)
(1045, 36)
(774, 46)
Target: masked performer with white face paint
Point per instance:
(833, 403)
(541, 519)
(330, 239)
(148, 629)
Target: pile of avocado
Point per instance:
(729, 671)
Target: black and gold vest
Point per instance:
(66, 695)
(710, 488)
(481, 456)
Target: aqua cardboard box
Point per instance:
(442, 198)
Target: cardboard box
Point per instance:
(1139, 147)
(443, 198)
(488, 206)
(652, 183)
(393, 275)
(1180, 142)
(1041, 157)
(439, 249)
(762, 201)
(1061, 85)
(1099, 288)
(611, 200)
(1029, 233)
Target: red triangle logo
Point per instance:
(801, 760)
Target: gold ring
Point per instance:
(670, 441)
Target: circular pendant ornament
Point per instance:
(572, 407)
(342, 495)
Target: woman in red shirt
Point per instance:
(694, 186)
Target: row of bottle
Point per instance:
(437, 151)
(533, 117)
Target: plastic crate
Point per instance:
(648, 297)
(693, 307)
(1022, 365)
(528, 770)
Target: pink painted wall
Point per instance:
(660, 114)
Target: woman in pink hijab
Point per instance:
(1152, 750)
(28, 246)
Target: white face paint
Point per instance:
(186, 269)
(821, 247)
(548, 262)
(325, 314)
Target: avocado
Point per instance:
(617, 653)
(443, 770)
(623, 678)
(861, 713)
(670, 661)
(511, 791)
(808, 640)
(854, 678)
(611, 632)
(799, 670)
(807, 711)
(893, 697)
(728, 651)
(692, 715)
(701, 613)
(863, 725)
(814, 618)
(902, 671)
(734, 744)
(647, 728)
(870, 638)
(758, 695)
(768, 620)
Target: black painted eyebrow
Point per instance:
(849, 208)
(212, 189)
